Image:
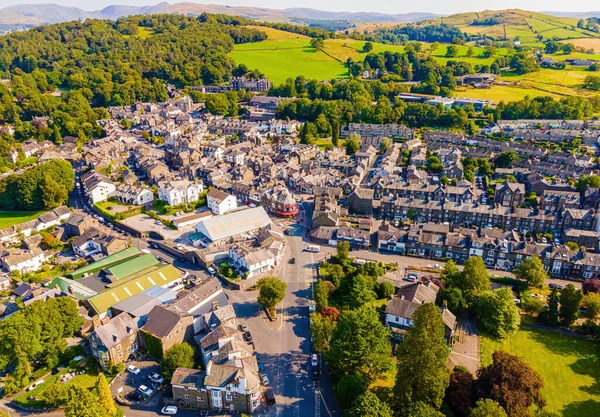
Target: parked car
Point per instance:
(557, 286)
(145, 390)
(35, 384)
(154, 377)
(248, 336)
(265, 379)
(411, 277)
(244, 327)
(134, 370)
(270, 397)
(211, 270)
(292, 261)
(261, 368)
(169, 410)
(135, 396)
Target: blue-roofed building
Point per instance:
(139, 305)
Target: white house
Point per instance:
(98, 186)
(235, 157)
(131, 194)
(179, 192)
(251, 261)
(23, 260)
(220, 202)
(215, 150)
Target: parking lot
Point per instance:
(126, 382)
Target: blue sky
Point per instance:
(382, 6)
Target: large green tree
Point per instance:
(487, 408)
(321, 295)
(422, 372)
(271, 291)
(180, 355)
(321, 330)
(105, 399)
(368, 404)
(474, 279)
(497, 312)
(353, 143)
(360, 345)
(82, 403)
(511, 382)
(570, 302)
(532, 270)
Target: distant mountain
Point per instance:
(25, 15)
(314, 14)
(576, 15)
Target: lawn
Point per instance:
(569, 366)
(10, 218)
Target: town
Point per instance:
(350, 247)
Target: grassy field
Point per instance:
(10, 218)
(569, 366)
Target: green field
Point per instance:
(10, 218)
(569, 366)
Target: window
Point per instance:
(228, 396)
(186, 396)
(199, 399)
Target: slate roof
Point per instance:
(116, 330)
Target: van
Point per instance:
(270, 397)
(145, 251)
(35, 385)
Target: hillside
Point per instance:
(527, 26)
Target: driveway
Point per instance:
(126, 382)
(466, 346)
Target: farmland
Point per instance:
(571, 384)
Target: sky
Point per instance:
(382, 6)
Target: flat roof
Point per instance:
(161, 276)
(104, 263)
(132, 266)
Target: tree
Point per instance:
(180, 355)
(459, 394)
(360, 345)
(497, 312)
(271, 291)
(385, 144)
(454, 299)
(367, 47)
(368, 404)
(385, 289)
(552, 315)
(470, 51)
(422, 372)
(532, 270)
(51, 243)
(55, 395)
(343, 250)
(105, 399)
(511, 382)
(317, 43)
(592, 82)
(506, 159)
(349, 388)
(474, 278)
(321, 329)
(450, 273)
(335, 133)
(420, 409)
(591, 285)
(532, 305)
(592, 306)
(361, 291)
(570, 302)
(321, 295)
(353, 143)
(82, 403)
(451, 51)
(487, 408)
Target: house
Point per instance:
(22, 261)
(510, 194)
(251, 261)
(180, 192)
(98, 186)
(113, 342)
(400, 309)
(131, 194)
(220, 202)
(391, 239)
(94, 241)
(77, 224)
(361, 200)
(279, 201)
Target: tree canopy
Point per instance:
(271, 291)
(532, 270)
(497, 312)
(180, 355)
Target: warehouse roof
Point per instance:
(105, 262)
(124, 269)
(161, 275)
(233, 223)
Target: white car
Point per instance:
(145, 390)
(264, 378)
(169, 410)
(133, 370)
(35, 385)
(156, 378)
(211, 270)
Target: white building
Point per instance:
(220, 202)
(131, 194)
(23, 260)
(98, 186)
(251, 261)
(235, 157)
(179, 192)
(218, 230)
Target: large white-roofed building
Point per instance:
(235, 225)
